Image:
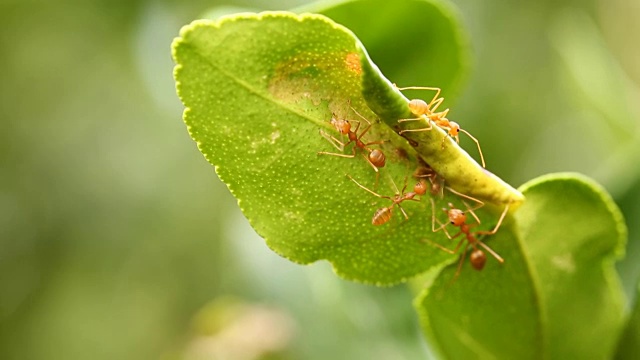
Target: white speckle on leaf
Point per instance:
(564, 262)
(292, 216)
(274, 136)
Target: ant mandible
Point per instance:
(383, 215)
(375, 158)
(458, 218)
(419, 108)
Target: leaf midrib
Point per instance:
(250, 88)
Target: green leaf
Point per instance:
(438, 149)
(574, 233)
(405, 52)
(556, 296)
(440, 33)
(629, 345)
(257, 91)
(492, 314)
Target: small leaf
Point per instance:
(492, 314)
(573, 233)
(258, 89)
(556, 296)
(629, 345)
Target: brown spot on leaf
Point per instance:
(352, 60)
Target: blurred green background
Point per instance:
(117, 241)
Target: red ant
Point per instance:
(458, 218)
(424, 170)
(375, 158)
(420, 107)
(383, 215)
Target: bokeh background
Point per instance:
(117, 240)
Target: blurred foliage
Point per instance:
(115, 232)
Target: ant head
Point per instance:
(457, 217)
(454, 128)
(343, 126)
(418, 107)
(477, 259)
(421, 187)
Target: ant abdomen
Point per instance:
(477, 259)
(418, 107)
(377, 158)
(381, 216)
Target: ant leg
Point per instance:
(477, 143)
(441, 115)
(355, 131)
(366, 189)
(336, 154)
(335, 142)
(470, 209)
(416, 130)
(452, 252)
(428, 120)
(458, 270)
(412, 119)
(460, 262)
(442, 227)
(495, 229)
(416, 119)
(402, 209)
(437, 90)
(434, 104)
(363, 118)
(433, 217)
(403, 212)
(375, 168)
(379, 142)
(360, 115)
(353, 153)
(473, 213)
(363, 131)
(493, 253)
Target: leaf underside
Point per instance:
(258, 89)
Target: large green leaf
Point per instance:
(257, 90)
(573, 233)
(566, 304)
